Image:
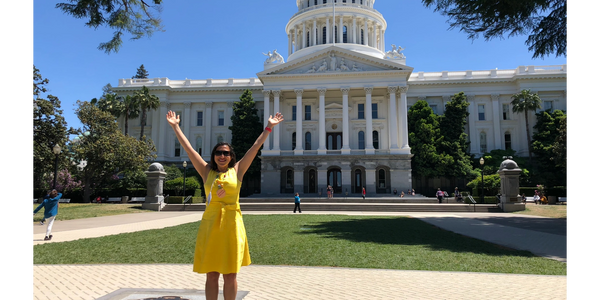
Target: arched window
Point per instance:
(307, 38)
(375, 139)
(289, 179)
(345, 37)
(324, 1)
(177, 149)
(362, 36)
(381, 179)
(335, 33)
(199, 144)
(361, 140)
(307, 141)
(294, 141)
(324, 37)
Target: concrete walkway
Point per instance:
(542, 236)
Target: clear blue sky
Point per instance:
(225, 39)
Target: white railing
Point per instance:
(458, 75)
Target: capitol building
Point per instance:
(345, 101)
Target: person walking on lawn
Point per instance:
(50, 205)
(297, 203)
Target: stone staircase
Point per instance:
(370, 204)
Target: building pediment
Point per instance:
(335, 61)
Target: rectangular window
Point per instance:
(548, 105)
(293, 112)
(307, 113)
(505, 112)
(177, 149)
(374, 110)
(262, 116)
(481, 112)
(507, 141)
(361, 140)
(434, 108)
(361, 111)
(199, 118)
(221, 117)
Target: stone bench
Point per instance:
(113, 199)
(64, 200)
(137, 200)
(561, 200)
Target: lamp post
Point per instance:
(56, 149)
(481, 162)
(184, 173)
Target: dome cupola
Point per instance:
(350, 24)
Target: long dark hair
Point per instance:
(232, 162)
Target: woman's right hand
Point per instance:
(172, 118)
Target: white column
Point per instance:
(496, 116)
(289, 44)
(276, 129)
(472, 133)
(187, 117)
(392, 123)
(299, 114)
(296, 44)
(267, 95)
(354, 29)
(366, 33)
(369, 121)
(327, 31)
(383, 40)
(345, 121)
(314, 32)
(322, 135)
(304, 35)
(341, 30)
(162, 135)
(207, 142)
(403, 122)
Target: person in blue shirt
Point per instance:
(50, 205)
(297, 203)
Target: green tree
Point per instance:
(424, 136)
(524, 102)
(560, 145)
(106, 149)
(141, 73)
(547, 128)
(454, 141)
(124, 16)
(49, 129)
(146, 102)
(245, 127)
(544, 20)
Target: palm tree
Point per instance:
(524, 102)
(147, 102)
(130, 110)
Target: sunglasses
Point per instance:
(219, 153)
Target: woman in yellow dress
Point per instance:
(221, 243)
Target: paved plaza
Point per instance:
(542, 236)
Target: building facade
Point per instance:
(345, 102)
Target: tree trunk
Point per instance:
(528, 135)
(143, 123)
(87, 190)
(126, 124)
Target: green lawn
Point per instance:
(313, 240)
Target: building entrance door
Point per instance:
(334, 179)
(334, 140)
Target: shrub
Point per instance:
(176, 185)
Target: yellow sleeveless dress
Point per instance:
(221, 244)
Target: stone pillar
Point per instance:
(267, 95)
(403, 122)
(496, 116)
(509, 186)
(154, 197)
(354, 29)
(322, 135)
(314, 32)
(187, 123)
(345, 121)
(327, 31)
(207, 143)
(276, 129)
(299, 147)
(341, 30)
(393, 124)
(369, 122)
(304, 35)
(366, 33)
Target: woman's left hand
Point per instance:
(275, 120)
